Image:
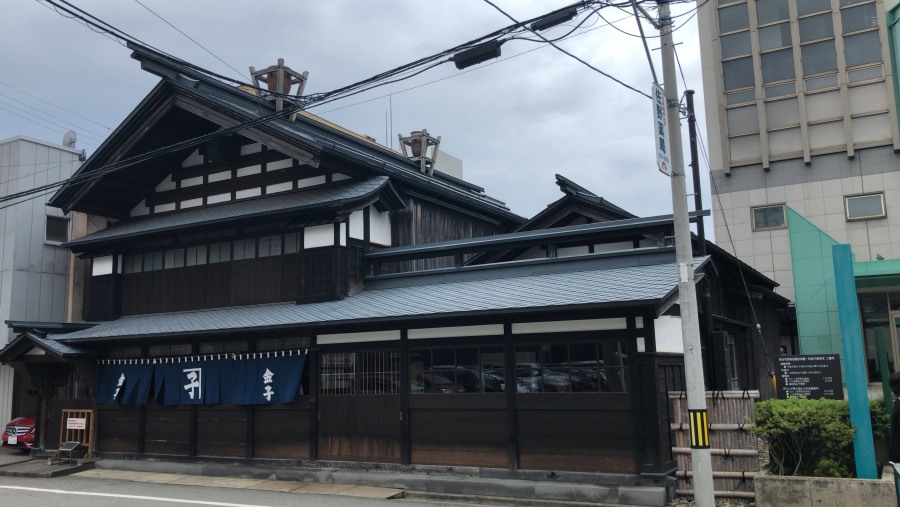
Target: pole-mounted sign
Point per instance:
(661, 131)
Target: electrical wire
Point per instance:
(201, 46)
(54, 105)
(570, 54)
(88, 133)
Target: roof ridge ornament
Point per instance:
(279, 79)
(421, 147)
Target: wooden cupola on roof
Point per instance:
(280, 79)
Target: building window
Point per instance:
(768, 217)
(733, 18)
(57, 231)
(269, 246)
(738, 73)
(219, 252)
(770, 11)
(734, 45)
(811, 6)
(457, 370)
(244, 249)
(859, 18)
(862, 207)
(816, 27)
(862, 48)
(775, 36)
(374, 372)
(777, 65)
(819, 58)
(572, 367)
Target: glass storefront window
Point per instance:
(372, 372)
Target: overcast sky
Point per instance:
(515, 122)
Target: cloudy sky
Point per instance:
(515, 122)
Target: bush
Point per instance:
(812, 437)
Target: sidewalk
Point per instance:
(465, 485)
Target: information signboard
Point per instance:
(661, 130)
(76, 423)
(810, 376)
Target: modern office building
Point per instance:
(801, 111)
(33, 267)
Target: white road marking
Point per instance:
(132, 497)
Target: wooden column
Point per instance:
(313, 364)
(405, 445)
(509, 379)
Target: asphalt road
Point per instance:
(94, 492)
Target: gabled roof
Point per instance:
(590, 282)
(338, 198)
(48, 344)
(187, 94)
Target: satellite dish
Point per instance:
(69, 139)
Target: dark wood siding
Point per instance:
(424, 222)
(118, 428)
(312, 275)
(360, 428)
(576, 432)
(463, 430)
(282, 431)
(222, 431)
(168, 431)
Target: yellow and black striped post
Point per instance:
(699, 429)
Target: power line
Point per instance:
(595, 69)
(32, 120)
(95, 136)
(54, 105)
(239, 73)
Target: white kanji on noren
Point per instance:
(119, 386)
(267, 379)
(195, 384)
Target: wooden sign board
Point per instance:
(811, 376)
(76, 423)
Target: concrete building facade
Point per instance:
(801, 112)
(33, 267)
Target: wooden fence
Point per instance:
(733, 448)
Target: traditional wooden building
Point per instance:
(295, 292)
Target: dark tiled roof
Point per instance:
(585, 288)
(333, 195)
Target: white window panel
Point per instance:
(220, 176)
(744, 148)
(826, 135)
(247, 149)
(742, 120)
(870, 129)
(342, 233)
(191, 203)
(309, 182)
(780, 90)
(213, 199)
(194, 159)
(380, 227)
(782, 113)
(357, 224)
(339, 177)
(785, 142)
(159, 208)
(870, 98)
(279, 164)
(140, 209)
(824, 106)
(741, 97)
(102, 266)
(865, 74)
(279, 187)
(249, 170)
(166, 184)
(192, 182)
(248, 192)
(318, 236)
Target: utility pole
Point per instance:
(701, 462)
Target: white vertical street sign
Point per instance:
(661, 131)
